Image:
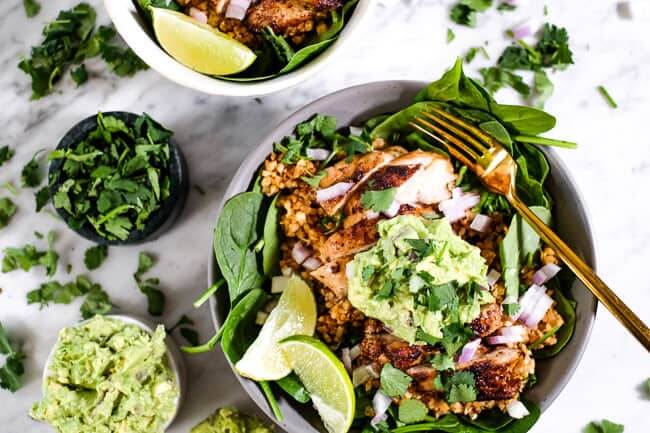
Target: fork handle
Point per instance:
(604, 294)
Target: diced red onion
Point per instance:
(520, 32)
(513, 331)
(502, 339)
(538, 311)
(455, 207)
(300, 253)
(480, 223)
(517, 410)
(355, 351)
(545, 273)
(528, 300)
(346, 358)
(318, 154)
(372, 215)
(278, 284)
(469, 350)
(312, 263)
(355, 130)
(416, 283)
(380, 404)
(199, 15)
(392, 210)
(237, 9)
(260, 318)
(334, 191)
(361, 375)
(492, 277)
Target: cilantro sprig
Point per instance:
(96, 302)
(11, 372)
(95, 256)
(29, 256)
(7, 210)
(114, 179)
(394, 382)
(149, 286)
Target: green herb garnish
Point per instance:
(95, 256)
(32, 8)
(31, 174)
(7, 211)
(42, 197)
(394, 382)
(97, 300)
(605, 426)
(6, 153)
(13, 368)
(28, 256)
(461, 387)
(450, 35)
(378, 201)
(149, 286)
(608, 98)
(79, 74)
(115, 178)
(412, 411)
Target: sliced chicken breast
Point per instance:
(289, 17)
(332, 276)
(351, 240)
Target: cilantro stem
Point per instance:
(273, 402)
(209, 292)
(208, 346)
(603, 91)
(545, 141)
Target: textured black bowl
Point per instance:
(160, 220)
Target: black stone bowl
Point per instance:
(160, 220)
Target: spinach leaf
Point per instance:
(305, 54)
(567, 309)
(239, 329)
(235, 234)
(292, 385)
(273, 402)
(400, 122)
(499, 132)
(271, 250)
(524, 120)
(528, 238)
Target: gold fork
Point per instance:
(486, 157)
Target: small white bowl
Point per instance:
(174, 357)
(135, 32)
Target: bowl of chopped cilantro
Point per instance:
(118, 178)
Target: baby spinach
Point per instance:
(294, 387)
(234, 237)
(273, 402)
(271, 249)
(239, 329)
(567, 309)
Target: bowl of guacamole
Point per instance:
(111, 374)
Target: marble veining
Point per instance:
(404, 40)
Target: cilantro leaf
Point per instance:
(31, 175)
(27, 257)
(394, 382)
(6, 153)
(463, 15)
(32, 8)
(605, 426)
(378, 201)
(122, 61)
(454, 337)
(12, 370)
(97, 302)
(412, 411)
(149, 287)
(473, 51)
(42, 197)
(461, 387)
(7, 211)
(495, 78)
(95, 256)
(79, 75)
(314, 181)
(145, 263)
(442, 362)
(450, 35)
(554, 46)
(318, 132)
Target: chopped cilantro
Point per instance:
(608, 98)
(605, 426)
(394, 382)
(317, 132)
(450, 35)
(42, 197)
(386, 290)
(473, 51)
(6, 153)
(494, 78)
(367, 273)
(115, 178)
(454, 337)
(149, 286)
(7, 211)
(461, 387)
(28, 256)
(123, 62)
(13, 369)
(314, 181)
(442, 362)
(378, 201)
(32, 8)
(96, 302)
(31, 175)
(79, 74)
(412, 411)
(95, 256)
(463, 15)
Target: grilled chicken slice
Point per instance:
(289, 17)
(351, 240)
(355, 171)
(420, 178)
(332, 276)
(500, 374)
(489, 321)
(386, 348)
(423, 375)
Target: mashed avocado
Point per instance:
(227, 420)
(108, 377)
(420, 276)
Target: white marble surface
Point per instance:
(404, 40)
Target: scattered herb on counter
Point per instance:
(6, 153)
(96, 302)
(68, 41)
(450, 35)
(42, 197)
(473, 51)
(115, 178)
(551, 51)
(465, 11)
(79, 74)
(11, 188)
(185, 328)
(95, 256)
(605, 426)
(608, 98)
(13, 369)
(7, 211)
(32, 8)
(28, 256)
(32, 175)
(232, 421)
(149, 286)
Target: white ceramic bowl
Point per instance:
(135, 32)
(174, 357)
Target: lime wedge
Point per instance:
(324, 376)
(295, 314)
(199, 46)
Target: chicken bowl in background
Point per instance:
(313, 239)
(235, 47)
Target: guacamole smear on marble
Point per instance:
(228, 420)
(419, 279)
(108, 376)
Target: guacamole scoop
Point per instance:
(229, 420)
(420, 276)
(108, 376)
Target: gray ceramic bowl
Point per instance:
(352, 106)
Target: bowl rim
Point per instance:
(174, 357)
(580, 208)
(129, 25)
